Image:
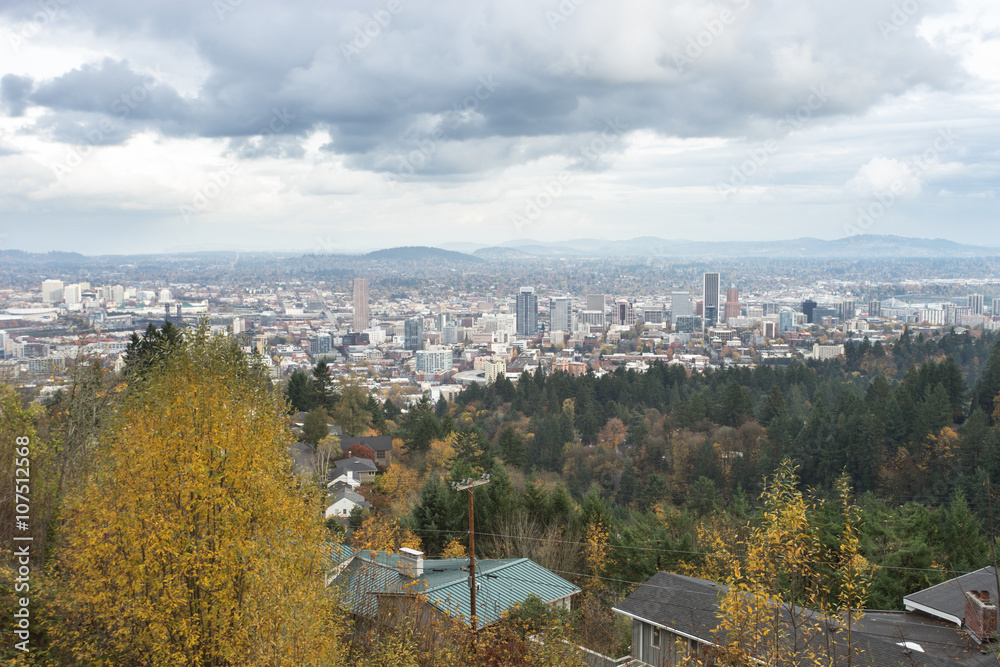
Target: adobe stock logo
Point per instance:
(219, 181)
(741, 174)
(421, 156)
(47, 12)
(914, 168)
(122, 107)
(370, 30)
(590, 153)
(702, 41)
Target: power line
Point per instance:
(671, 551)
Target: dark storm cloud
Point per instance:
(418, 75)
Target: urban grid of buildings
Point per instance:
(408, 348)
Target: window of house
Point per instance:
(656, 637)
(380, 455)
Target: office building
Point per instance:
(688, 324)
(4, 345)
(808, 308)
(527, 312)
(847, 309)
(435, 360)
(732, 306)
(977, 304)
(680, 306)
(73, 294)
(824, 352)
(931, 315)
(710, 299)
(953, 314)
(52, 291)
(165, 296)
(413, 334)
(874, 308)
(494, 368)
(559, 314)
(320, 343)
(770, 329)
(786, 320)
(652, 315)
(597, 302)
(996, 308)
(624, 313)
(590, 318)
(117, 295)
(361, 314)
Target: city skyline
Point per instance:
(154, 129)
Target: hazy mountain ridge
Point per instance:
(865, 246)
(420, 253)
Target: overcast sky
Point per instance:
(329, 126)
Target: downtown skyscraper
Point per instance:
(560, 314)
(361, 314)
(711, 299)
(527, 312)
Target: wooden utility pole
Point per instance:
(470, 485)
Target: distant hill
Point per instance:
(497, 252)
(865, 246)
(419, 253)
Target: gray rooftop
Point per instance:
(947, 600)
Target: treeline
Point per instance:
(667, 428)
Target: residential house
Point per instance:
(343, 501)
(380, 444)
(375, 585)
(361, 470)
(674, 616)
(967, 601)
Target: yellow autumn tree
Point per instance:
(399, 482)
(441, 453)
(381, 533)
(613, 434)
(191, 543)
(782, 576)
(596, 552)
(454, 548)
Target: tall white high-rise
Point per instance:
(680, 306)
(597, 302)
(977, 304)
(72, 294)
(361, 313)
(52, 291)
(559, 314)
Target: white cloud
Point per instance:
(881, 174)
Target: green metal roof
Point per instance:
(501, 584)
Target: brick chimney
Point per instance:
(411, 564)
(980, 615)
